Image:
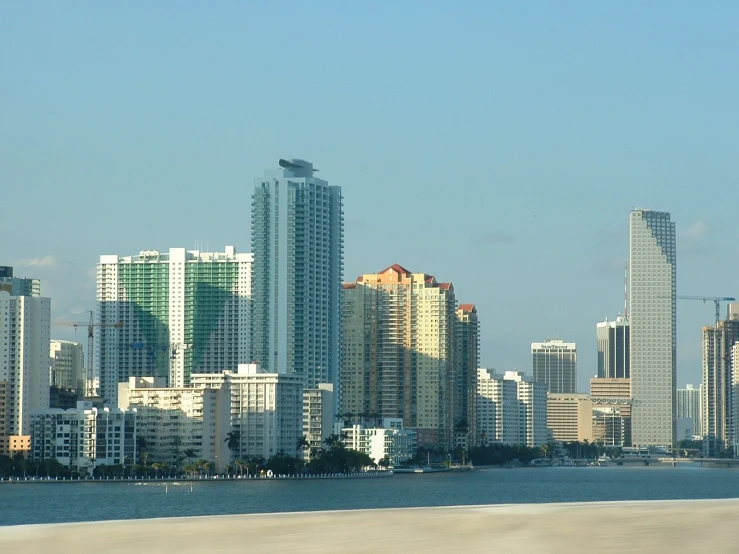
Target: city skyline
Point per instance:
(401, 128)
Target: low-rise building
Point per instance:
(391, 441)
(611, 399)
(84, 437)
(318, 416)
(570, 417)
(174, 421)
(266, 409)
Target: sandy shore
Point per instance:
(660, 526)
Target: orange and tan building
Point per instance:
(398, 353)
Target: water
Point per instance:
(63, 502)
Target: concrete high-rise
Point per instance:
(653, 319)
(466, 362)
(24, 358)
(398, 352)
(18, 286)
(66, 365)
(554, 362)
(570, 417)
(613, 348)
(717, 390)
(182, 311)
(297, 240)
(688, 406)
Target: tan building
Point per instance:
(611, 410)
(570, 417)
(66, 365)
(398, 356)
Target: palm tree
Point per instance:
(145, 457)
(190, 453)
(232, 442)
(302, 443)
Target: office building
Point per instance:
(613, 348)
(84, 437)
(466, 362)
(390, 442)
(611, 398)
(266, 409)
(653, 321)
(398, 331)
(170, 314)
(511, 409)
(570, 417)
(66, 365)
(735, 398)
(717, 387)
(554, 362)
(173, 421)
(297, 239)
(24, 358)
(18, 286)
(318, 417)
(689, 406)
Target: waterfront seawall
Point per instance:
(604, 527)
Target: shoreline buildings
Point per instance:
(554, 362)
(570, 417)
(298, 245)
(171, 314)
(653, 320)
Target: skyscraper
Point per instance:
(554, 362)
(717, 390)
(182, 312)
(689, 406)
(66, 365)
(653, 320)
(398, 331)
(297, 241)
(466, 362)
(613, 348)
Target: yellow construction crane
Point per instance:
(90, 384)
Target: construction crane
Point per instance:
(90, 385)
(715, 299)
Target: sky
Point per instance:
(496, 145)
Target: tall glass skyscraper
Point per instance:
(653, 320)
(297, 241)
(182, 312)
(613, 348)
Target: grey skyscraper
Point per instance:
(297, 241)
(652, 269)
(554, 362)
(613, 348)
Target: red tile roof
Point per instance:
(397, 268)
(467, 307)
(445, 286)
(349, 286)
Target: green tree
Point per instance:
(302, 443)
(232, 442)
(190, 453)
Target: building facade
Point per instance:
(511, 409)
(554, 362)
(297, 240)
(390, 442)
(174, 421)
(689, 406)
(84, 437)
(266, 409)
(24, 358)
(18, 286)
(397, 353)
(66, 365)
(717, 389)
(611, 398)
(318, 417)
(653, 321)
(466, 362)
(613, 348)
(179, 312)
(570, 417)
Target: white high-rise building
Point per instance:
(511, 409)
(24, 358)
(318, 417)
(391, 441)
(652, 268)
(178, 312)
(297, 239)
(689, 406)
(554, 362)
(266, 409)
(66, 365)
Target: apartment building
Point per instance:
(570, 417)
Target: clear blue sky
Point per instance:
(497, 145)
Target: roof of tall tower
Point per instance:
(467, 307)
(445, 286)
(397, 268)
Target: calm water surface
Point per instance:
(63, 502)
